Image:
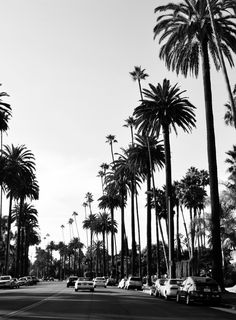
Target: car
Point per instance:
(121, 284)
(83, 283)
(71, 281)
(35, 279)
(99, 282)
(6, 282)
(158, 287)
(23, 281)
(110, 282)
(169, 288)
(133, 283)
(30, 280)
(16, 283)
(199, 289)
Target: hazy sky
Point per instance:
(65, 65)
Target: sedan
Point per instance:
(170, 288)
(99, 282)
(199, 289)
(84, 284)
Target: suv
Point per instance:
(71, 281)
(199, 289)
(133, 283)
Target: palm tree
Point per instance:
(103, 226)
(165, 108)
(18, 178)
(70, 222)
(110, 200)
(139, 157)
(89, 224)
(62, 230)
(187, 35)
(111, 139)
(89, 200)
(75, 214)
(139, 74)
(130, 123)
(28, 232)
(5, 114)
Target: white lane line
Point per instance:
(31, 306)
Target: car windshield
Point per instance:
(4, 278)
(100, 279)
(73, 278)
(135, 279)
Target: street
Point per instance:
(52, 300)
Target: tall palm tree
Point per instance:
(89, 200)
(18, 171)
(130, 123)
(111, 139)
(164, 108)
(139, 74)
(187, 36)
(62, 230)
(139, 157)
(70, 222)
(110, 200)
(103, 226)
(89, 224)
(75, 214)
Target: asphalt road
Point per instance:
(54, 301)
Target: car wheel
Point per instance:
(76, 290)
(92, 290)
(187, 301)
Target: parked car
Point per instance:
(71, 281)
(23, 281)
(16, 283)
(35, 279)
(110, 282)
(99, 282)
(158, 286)
(6, 282)
(121, 284)
(133, 283)
(84, 284)
(199, 289)
(30, 280)
(169, 288)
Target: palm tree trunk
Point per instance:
(8, 235)
(133, 253)
(112, 241)
(122, 237)
(169, 205)
(212, 163)
(149, 230)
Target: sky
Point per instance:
(65, 65)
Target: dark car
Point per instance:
(199, 289)
(71, 281)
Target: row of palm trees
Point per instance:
(18, 183)
(187, 37)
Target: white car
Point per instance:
(159, 286)
(84, 284)
(133, 283)
(99, 282)
(6, 282)
(170, 288)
